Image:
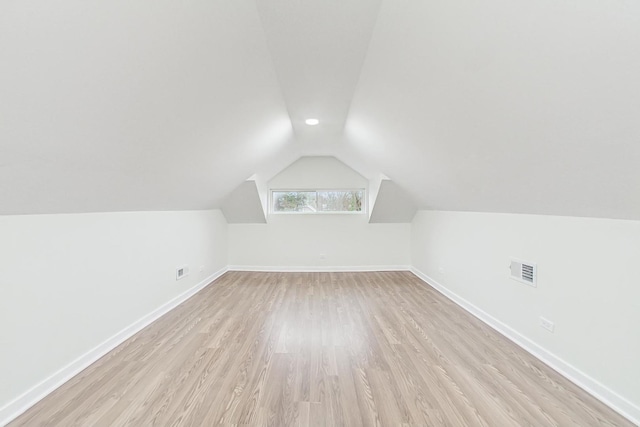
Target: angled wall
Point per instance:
(244, 205)
(318, 172)
(392, 204)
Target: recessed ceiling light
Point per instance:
(312, 122)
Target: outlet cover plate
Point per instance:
(547, 324)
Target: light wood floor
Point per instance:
(319, 349)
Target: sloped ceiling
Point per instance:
(499, 106)
(318, 48)
(144, 105)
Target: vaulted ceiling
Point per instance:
(530, 107)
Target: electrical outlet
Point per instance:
(546, 324)
(201, 268)
(323, 256)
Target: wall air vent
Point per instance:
(523, 271)
(182, 272)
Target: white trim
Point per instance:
(20, 404)
(316, 268)
(618, 403)
(362, 212)
(592, 386)
(272, 211)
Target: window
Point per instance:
(317, 201)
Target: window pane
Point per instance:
(294, 201)
(340, 201)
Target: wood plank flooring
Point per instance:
(319, 349)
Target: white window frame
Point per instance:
(272, 211)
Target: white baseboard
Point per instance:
(618, 403)
(598, 390)
(316, 268)
(19, 405)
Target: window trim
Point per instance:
(272, 211)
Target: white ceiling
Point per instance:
(486, 106)
(504, 106)
(318, 48)
(145, 105)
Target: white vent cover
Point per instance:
(523, 271)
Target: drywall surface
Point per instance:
(500, 106)
(587, 285)
(104, 109)
(318, 240)
(319, 172)
(392, 204)
(244, 205)
(70, 282)
(321, 241)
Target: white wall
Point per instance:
(392, 204)
(300, 240)
(318, 241)
(588, 284)
(70, 282)
(322, 172)
(244, 204)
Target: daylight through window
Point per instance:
(317, 201)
